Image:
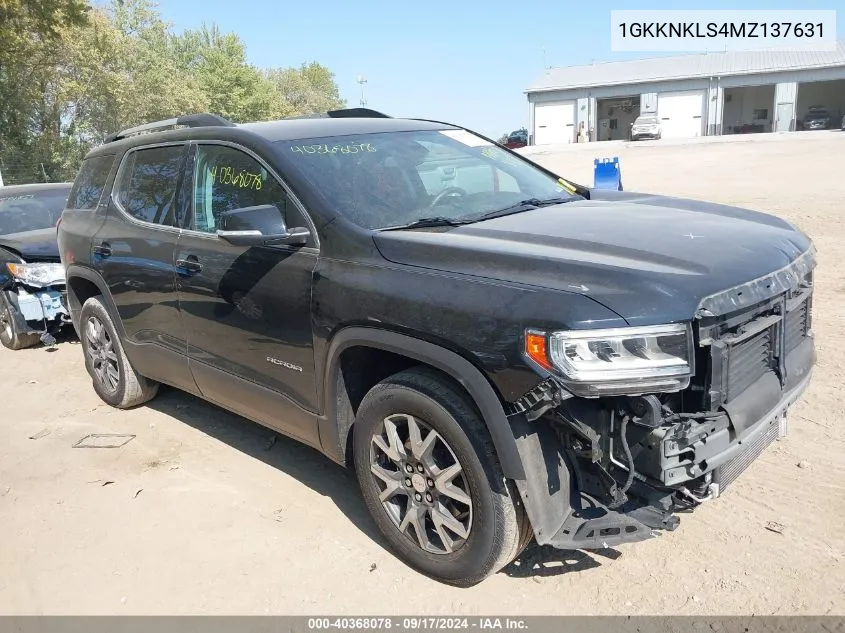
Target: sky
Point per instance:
(461, 61)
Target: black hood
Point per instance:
(33, 246)
(648, 258)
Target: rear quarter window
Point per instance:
(90, 182)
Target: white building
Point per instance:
(692, 95)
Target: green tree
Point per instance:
(235, 89)
(308, 89)
(29, 30)
(70, 74)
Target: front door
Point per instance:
(134, 252)
(246, 309)
(784, 117)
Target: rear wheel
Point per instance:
(10, 335)
(114, 378)
(432, 482)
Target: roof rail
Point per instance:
(345, 113)
(187, 120)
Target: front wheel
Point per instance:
(10, 335)
(430, 477)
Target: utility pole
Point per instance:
(361, 81)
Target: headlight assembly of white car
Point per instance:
(38, 275)
(617, 361)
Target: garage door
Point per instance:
(554, 122)
(681, 113)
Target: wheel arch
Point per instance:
(336, 424)
(84, 283)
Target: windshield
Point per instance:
(21, 212)
(645, 121)
(391, 179)
(817, 114)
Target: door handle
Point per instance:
(189, 264)
(103, 249)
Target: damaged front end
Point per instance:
(34, 299)
(611, 469)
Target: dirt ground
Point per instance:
(202, 513)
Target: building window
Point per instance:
(761, 114)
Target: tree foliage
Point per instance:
(72, 73)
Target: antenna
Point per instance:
(361, 81)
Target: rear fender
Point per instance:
(75, 304)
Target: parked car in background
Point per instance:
(500, 358)
(32, 279)
(646, 126)
(518, 138)
(817, 119)
(842, 125)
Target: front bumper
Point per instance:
(721, 443)
(638, 134)
(40, 304)
(37, 310)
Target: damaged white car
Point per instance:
(32, 279)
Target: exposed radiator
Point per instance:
(795, 326)
(749, 361)
(726, 473)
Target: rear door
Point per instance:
(247, 310)
(134, 252)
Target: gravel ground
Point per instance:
(203, 513)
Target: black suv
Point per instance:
(501, 354)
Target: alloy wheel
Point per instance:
(421, 484)
(100, 350)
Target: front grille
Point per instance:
(726, 473)
(795, 326)
(748, 362)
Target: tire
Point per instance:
(10, 336)
(113, 377)
(494, 526)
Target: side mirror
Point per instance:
(259, 226)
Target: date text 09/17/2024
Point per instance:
(416, 623)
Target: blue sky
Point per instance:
(464, 61)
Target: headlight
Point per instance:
(39, 275)
(629, 360)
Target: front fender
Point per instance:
(336, 424)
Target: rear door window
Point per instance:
(148, 183)
(90, 182)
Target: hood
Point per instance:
(33, 246)
(650, 259)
